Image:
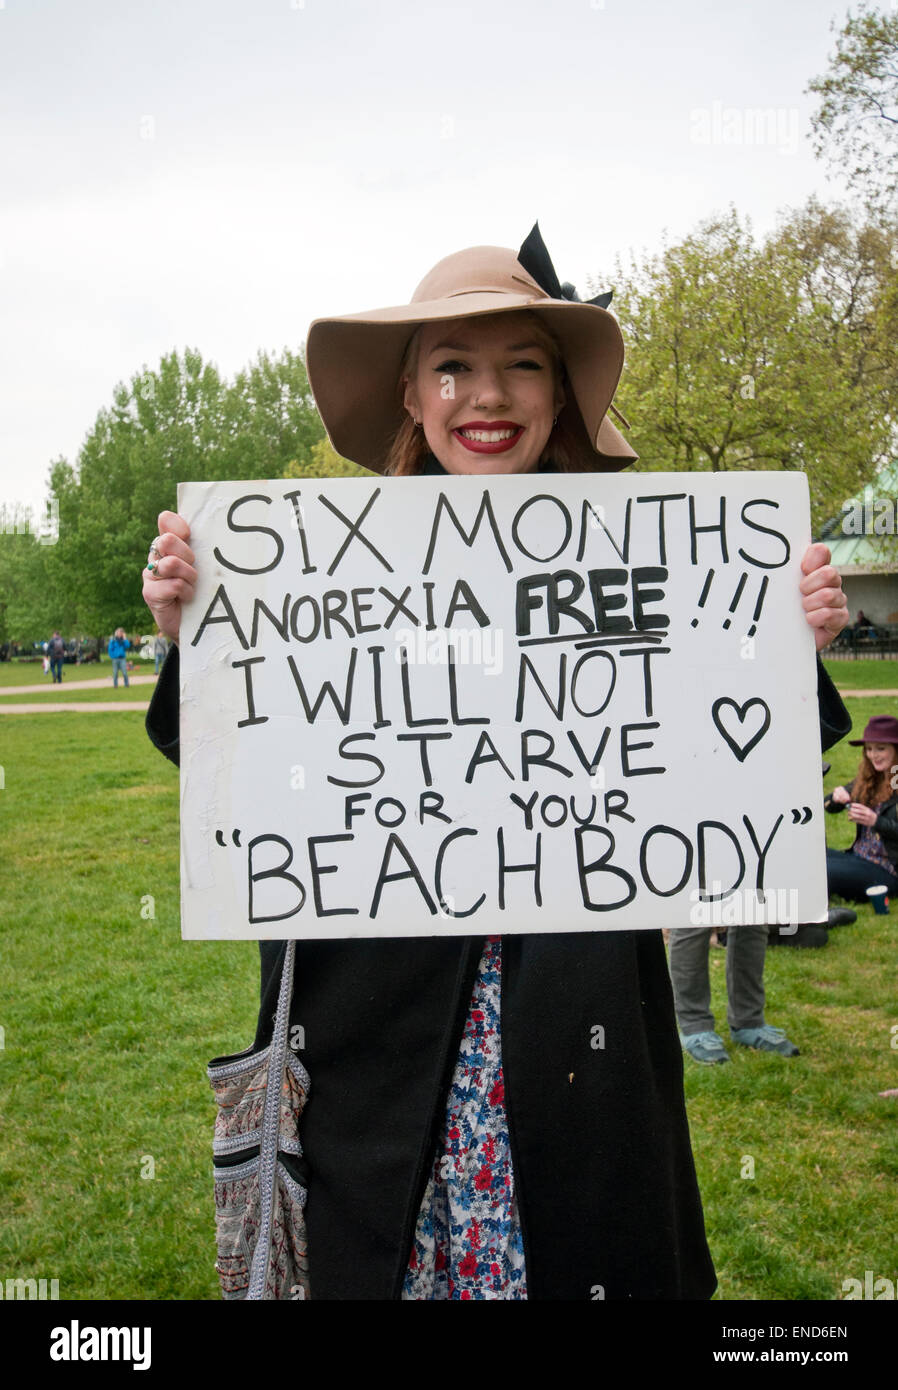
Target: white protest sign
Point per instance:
(415, 706)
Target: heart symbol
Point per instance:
(741, 750)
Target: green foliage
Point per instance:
(864, 673)
(856, 124)
(270, 418)
(743, 355)
(179, 423)
(325, 462)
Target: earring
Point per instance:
(554, 421)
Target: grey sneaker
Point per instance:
(705, 1047)
(765, 1039)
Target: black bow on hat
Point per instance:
(536, 260)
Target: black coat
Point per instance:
(602, 1162)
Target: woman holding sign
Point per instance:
(487, 1118)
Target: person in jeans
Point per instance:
(118, 649)
(160, 648)
(745, 953)
(872, 803)
(56, 653)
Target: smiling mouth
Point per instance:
(487, 441)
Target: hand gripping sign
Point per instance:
(478, 705)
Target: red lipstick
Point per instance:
(478, 446)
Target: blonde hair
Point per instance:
(409, 447)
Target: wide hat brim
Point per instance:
(354, 361)
(882, 728)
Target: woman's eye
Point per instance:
(453, 365)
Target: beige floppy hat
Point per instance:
(354, 361)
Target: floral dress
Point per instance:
(468, 1242)
(869, 845)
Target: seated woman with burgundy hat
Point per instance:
(872, 803)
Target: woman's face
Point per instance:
(485, 393)
(883, 756)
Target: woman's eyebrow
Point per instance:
(463, 347)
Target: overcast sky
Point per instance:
(217, 173)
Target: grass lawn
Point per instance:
(109, 1020)
(823, 1203)
(13, 675)
(58, 694)
(863, 675)
(16, 673)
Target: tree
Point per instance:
(856, 124)
(745, 356)
(31, 606)
(325, 462)
(15, 527)
(166, 426)
(181, 422)
(270, 418)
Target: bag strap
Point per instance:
(268, 1149)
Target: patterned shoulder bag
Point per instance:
(260, 1178)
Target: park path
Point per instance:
(102, 706)
(8, 706)
(77, 707)
(862, 694)
(73, 685)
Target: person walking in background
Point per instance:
(56, 653)
(160, 650)
(118, 649)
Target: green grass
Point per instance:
(56, 694)
(110, 1020)
(863, 675)
(823, 1204)
(15, 673)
